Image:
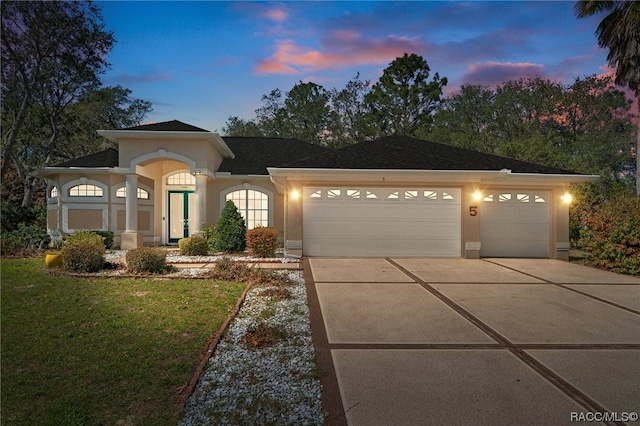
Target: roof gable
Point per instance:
(167, 126)
(406, 153)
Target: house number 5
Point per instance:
(473, 210)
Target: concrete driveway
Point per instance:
(407, 341)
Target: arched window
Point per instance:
(142, 194)
(85, 190)
(53, 193)
(181, 179)
(253, 204)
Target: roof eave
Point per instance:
(280, 176)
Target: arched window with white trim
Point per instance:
(143, 194)
(255, 204)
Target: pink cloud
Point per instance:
(278, 15)
(493, 73)
(340, 49)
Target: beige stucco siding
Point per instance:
(84, 219)
(52, 219)
(203, 154)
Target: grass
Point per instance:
(107, 351)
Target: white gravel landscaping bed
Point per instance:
(173, 256)
(277, 384)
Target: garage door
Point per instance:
(514, 224)
(345, 221)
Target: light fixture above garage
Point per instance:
(566, 198)
(295, 194)
(477, 195)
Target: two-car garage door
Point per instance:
(357, 221)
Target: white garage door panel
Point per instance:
(515, 224)
(381, 222)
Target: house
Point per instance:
(395, 196)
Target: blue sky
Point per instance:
(204, 61)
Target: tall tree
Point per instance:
(403, 100)
(348, 116)
(52, 53)
(307, 112)
(619, 31)
(271, 117)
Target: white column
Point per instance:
(131, 224)
(200, 215)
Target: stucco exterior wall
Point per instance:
(202, 153)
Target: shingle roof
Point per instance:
(255, 154)
(106, 158)
(167, 126)
(405, 153)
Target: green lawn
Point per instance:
(101, 351)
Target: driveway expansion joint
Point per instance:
(517, 350)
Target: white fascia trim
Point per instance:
(280, 175)
(227, 175)
(215, 139)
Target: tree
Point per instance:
(52, 53)
(100, 109)
(348, 116)
(306, 112)
(236, 126)
(271, 117)
(466, 119)
(402, 101)
(230, 231)
(619, 31)
(583, 127)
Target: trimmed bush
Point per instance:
(147, 259)
(611, 232)
(83, 257)
(194, 246)
(262, 242)
(84, 237)
(230, 230)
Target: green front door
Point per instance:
(181, 206)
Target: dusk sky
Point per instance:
(202, 62)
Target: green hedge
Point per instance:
(194, 246)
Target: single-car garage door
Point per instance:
(514, 224)
(352, 221)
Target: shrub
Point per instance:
(611, 232)
(25, 238)
(147, 259)
(228, 270)
(262, 242)
(194, 246)
(107, 237)
(230, 230)
(209, 234)
(82, 257)
(84, 237)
